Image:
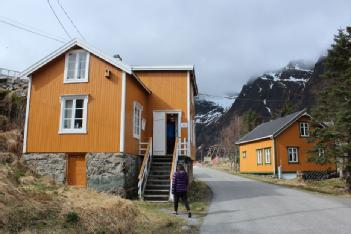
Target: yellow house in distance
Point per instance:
(279, 146)
(94, 121)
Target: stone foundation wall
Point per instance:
(115, 173)
(52, 165)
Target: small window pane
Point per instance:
(71, 65)
(68, 113)
(79, 114)
(67, 123)
(78, 123)
(81, 65)
(79, 103)
(69, 104)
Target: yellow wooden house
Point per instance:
(279, 147)
(94, 121)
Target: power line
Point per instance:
(53, 11)
(25, 28)
(63, 9)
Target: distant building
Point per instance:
(281, 144)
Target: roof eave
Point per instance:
(67, 46)
(256, 139)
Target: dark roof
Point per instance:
(271, 128)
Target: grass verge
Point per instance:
(334, 186)
(163, 222)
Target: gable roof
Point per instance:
(69, 45)
(272, 128)
(190, 68)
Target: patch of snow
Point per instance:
(271, 85)
(225, 102)
(260, 90)
(269, 110)
(264, 101)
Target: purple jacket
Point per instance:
(180, 182)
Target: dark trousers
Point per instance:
(184, 198)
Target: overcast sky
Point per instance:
(228, 41)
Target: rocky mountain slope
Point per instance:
(268, 96)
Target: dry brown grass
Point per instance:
(33, 204)
(100, 212)
(10, 141)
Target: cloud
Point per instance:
(228, 41)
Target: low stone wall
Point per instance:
(52, 165)
(115, 173)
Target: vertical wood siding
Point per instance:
(291, 137)
(103, 109)
(249, 164)
(169, 92)
(134, 93)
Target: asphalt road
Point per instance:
(240, 205)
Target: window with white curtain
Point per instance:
(137, 110)
(76, 66)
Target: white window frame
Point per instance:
(259, 156)
(267, 157)
(304, 129)
(75, 80)
(295, 154)
(73, 130)
(137, 132)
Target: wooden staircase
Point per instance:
(158, 181)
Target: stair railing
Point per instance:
(174, 166)
(183, 147)
(145, 169)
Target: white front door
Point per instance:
(159, 133)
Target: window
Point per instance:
(244, 154)
(293, 155)
(304, 129)
(137, 109)
(76, 66)
(259, 156)
(73, 114)
(267, 155)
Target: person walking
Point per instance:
(180, 188)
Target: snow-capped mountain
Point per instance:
(268, 96)
(210, 108)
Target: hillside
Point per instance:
(267, 96)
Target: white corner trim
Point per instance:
(188, 112)
(123, 113)
(27, 116)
